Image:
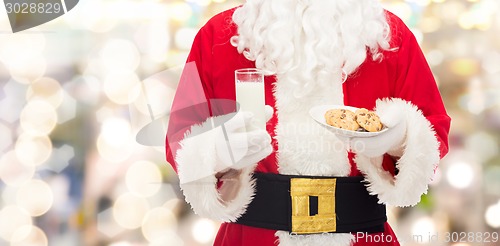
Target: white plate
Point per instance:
(318, 114)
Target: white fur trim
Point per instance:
(326, 239)
(197, 165)
(416, 165)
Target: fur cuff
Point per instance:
(416, 164)
(197, 165)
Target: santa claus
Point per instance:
(296, 183)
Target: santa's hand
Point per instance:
(216, 161)
(391, 141)
(239, 143)
(244, 145)
(240, 147)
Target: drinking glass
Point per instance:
(250, 94)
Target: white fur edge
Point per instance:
(416, 165)
(325, 239)
(196, 165)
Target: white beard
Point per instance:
(310, 42)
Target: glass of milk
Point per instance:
(250, 93)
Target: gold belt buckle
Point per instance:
(302, 190)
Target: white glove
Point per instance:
(391, 141)
(244, 145)
(239, 143)
(223, 148)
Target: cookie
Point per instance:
(368, 120)
(342, 118)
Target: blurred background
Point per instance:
(84, 100)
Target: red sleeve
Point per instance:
(415, 83)
(191, 105)
(196, 98)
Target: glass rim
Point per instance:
(249, 70)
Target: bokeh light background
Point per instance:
(84, 100)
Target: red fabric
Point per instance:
(403, 73)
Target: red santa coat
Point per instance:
(403, 74)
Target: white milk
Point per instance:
(250, 96)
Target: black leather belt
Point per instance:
(313, 204)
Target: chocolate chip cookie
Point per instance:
(342, 118)
(368, 120)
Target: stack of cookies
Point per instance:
(361, 120)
